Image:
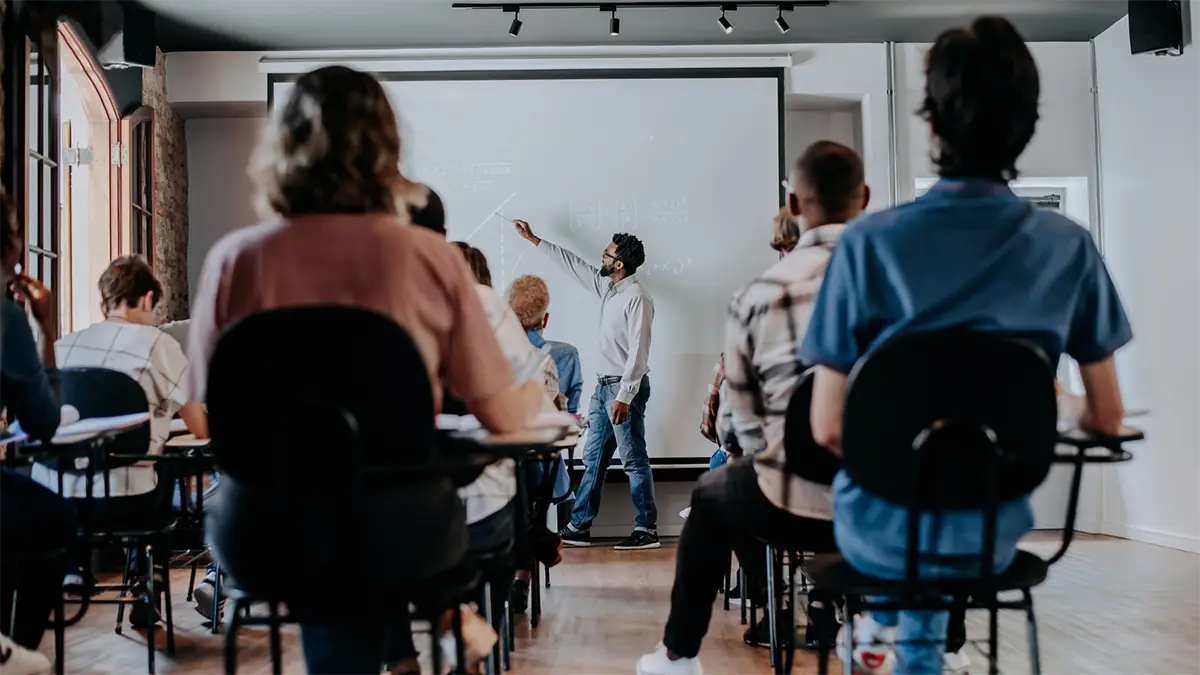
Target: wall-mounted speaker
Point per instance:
(1156, 27)
(133, 45)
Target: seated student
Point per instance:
(128, 342)
(327, 173)
(529, 299)
(968, 254)
(33, 519)
(746, 498)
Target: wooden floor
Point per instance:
(1112, 606)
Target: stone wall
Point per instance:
(170, 195)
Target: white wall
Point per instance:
(1064, 143)
(219, 191)
(1150, 157)
(802, 128)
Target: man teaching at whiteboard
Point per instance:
(618, 407)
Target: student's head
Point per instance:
(431, 216)
(477, 262)
(530, 301)
(981, 99)
(333, 147)
(622, 257)
(129, 290)
(828, 185)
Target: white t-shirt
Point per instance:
(153, 359)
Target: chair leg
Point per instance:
(789, 645)
(166, 593)
(124, 583)
(460, 650)
(745, 598)
(435, 655)
(772, 610)
(493, 658)
(535, 597)
(1035, 656)
(276, 643)
(151, 623)
(60, 630)
(725, 583)
(192, 579)
(506, 637)
(216, 620)
(231, 647)
(993, 638)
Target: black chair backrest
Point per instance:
(100, 392)
(804, 457)
(948, 393)
(305, 399)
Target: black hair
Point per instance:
(432, 215)
(981, 99)
(629, 251)
(835, 172)
(8, 223)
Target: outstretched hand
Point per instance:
(526, 232)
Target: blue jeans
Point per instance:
(862, 550)
(631, 444)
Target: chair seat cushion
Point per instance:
(832, 573)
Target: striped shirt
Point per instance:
(153, 359)
(767, 320)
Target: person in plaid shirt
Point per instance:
(756, 496)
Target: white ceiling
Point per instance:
(189, 25)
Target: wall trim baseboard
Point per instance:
(1151, 536)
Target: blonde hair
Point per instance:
(529, 299)
(786, 233)
(333, 147)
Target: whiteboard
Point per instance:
(691, 165)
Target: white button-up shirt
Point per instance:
(626, 314)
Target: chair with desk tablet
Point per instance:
(99, 393)
(322, 428)
(947, 422)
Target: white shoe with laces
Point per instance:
(17, 660)
(657, 663)
(872, 646)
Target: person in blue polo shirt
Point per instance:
(968, 254)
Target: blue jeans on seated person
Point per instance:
(872, 535)
(631, 444)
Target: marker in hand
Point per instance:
(504, 217)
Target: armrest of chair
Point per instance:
(1089, 448)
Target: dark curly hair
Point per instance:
(629, 251)
(431, 216)
(981, 99)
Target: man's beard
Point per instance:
(606, 271)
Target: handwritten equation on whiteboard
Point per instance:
(623, 214)
(472, 177)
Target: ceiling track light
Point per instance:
(515, 28)
(779, 22)
(723, 22)
(614, 24)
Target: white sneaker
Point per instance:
(685, 513)
(658, 664)
(956, 661)
(17, 660)
(872, 646)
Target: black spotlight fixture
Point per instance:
(780, 23)
(515, 29)
(724, 23)
(614, 24)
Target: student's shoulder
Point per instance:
(563, 348)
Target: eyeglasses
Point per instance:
(610, 256)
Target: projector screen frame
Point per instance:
(675, 467)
